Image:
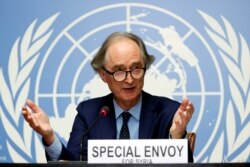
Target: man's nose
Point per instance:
(129, 78)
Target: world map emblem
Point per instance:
(72, 79)
(177, 72)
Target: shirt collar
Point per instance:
(134, 111)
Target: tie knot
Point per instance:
(125, 116)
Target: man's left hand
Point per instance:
(181, 119)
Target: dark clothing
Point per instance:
(155, 121)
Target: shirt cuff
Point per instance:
(54, 150)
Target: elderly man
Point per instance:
(121, 62)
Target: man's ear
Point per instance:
(103, 75)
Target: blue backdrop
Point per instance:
(201, 50)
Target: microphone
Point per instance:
(103, 113)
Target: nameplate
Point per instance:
(138, 151)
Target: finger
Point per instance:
(25, 110)
(185, 117)
(184, 104)
(32, 106)
(187, 105)
(189, 109)
(191, 106)
(28, 116)
(177, 116)
(26, 113)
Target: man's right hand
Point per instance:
(39, 121)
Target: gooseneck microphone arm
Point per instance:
(103, 113)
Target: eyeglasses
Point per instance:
(119, 76)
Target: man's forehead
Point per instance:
(123, 52)
(136, 63)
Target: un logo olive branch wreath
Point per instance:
(234, 52)
(14, 89)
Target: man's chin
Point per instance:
(130, 96)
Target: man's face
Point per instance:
(123, 54)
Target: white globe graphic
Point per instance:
(65, 76)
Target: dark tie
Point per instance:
(124, 133)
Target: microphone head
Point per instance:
(104, 111)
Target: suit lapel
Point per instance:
(108, 123)
(147, 117)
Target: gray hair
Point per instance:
(98, 60)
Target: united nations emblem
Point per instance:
(186, 65)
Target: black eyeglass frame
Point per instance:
(130, 71)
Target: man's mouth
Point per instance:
(132, 88)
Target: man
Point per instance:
(121, 63)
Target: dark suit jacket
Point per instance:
(155, 121)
